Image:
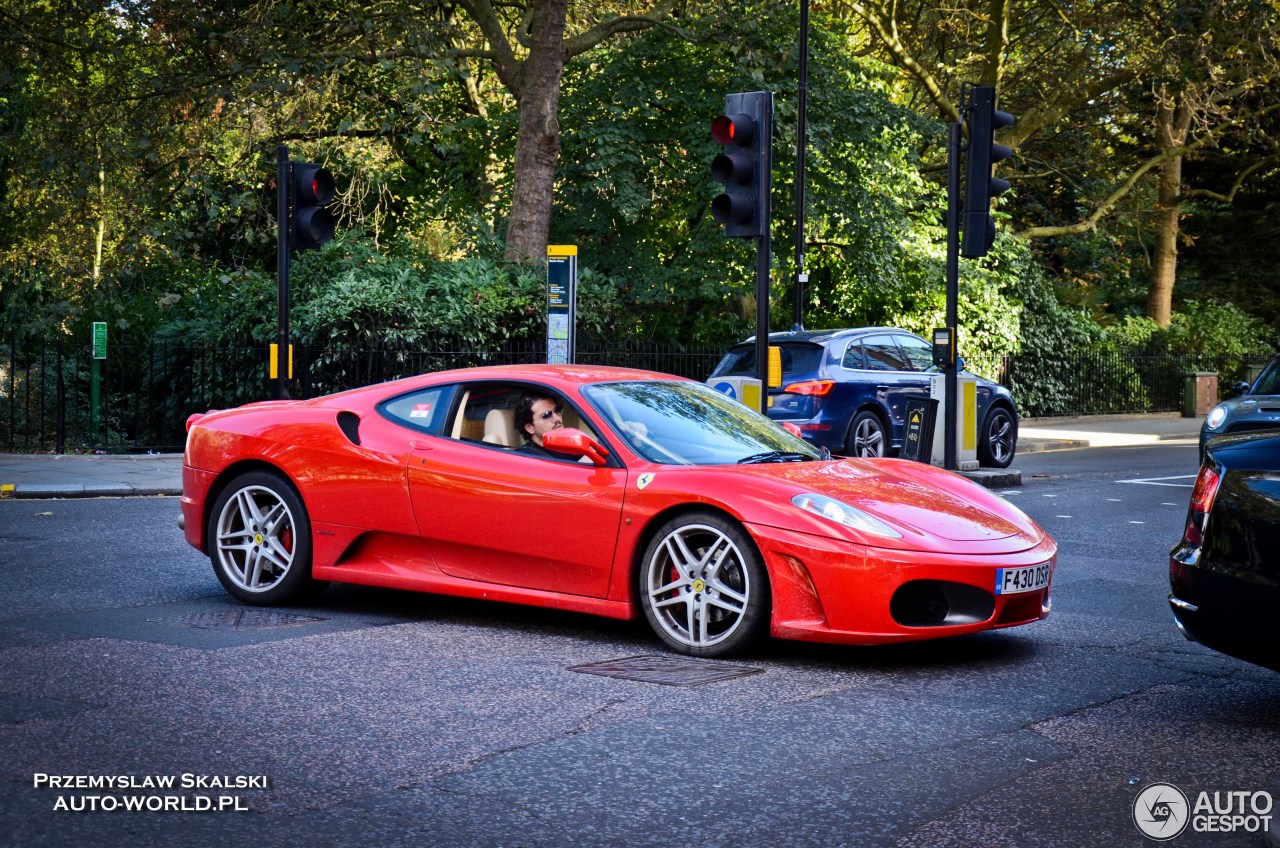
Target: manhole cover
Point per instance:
(242, 619)
(669, 671)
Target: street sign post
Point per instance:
(562, 302)
(95, 375)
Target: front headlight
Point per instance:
(841, 513)
(1215, 417)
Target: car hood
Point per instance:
(934, 509)
(1253, 405)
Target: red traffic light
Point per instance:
(743, 168)
(733, 129)
(311, 224)
(312, 185)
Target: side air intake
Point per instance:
(349, 424)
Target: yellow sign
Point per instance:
(775, 367)
(275, 362)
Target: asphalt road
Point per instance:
(384, 718)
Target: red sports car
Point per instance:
(608, 491)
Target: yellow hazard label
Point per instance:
(6, 490)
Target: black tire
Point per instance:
(999, 439)
(867, 436)
(703, 586)
(259, 539)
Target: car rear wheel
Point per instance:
(999, 439)
(260, 540)
(703, 586)
(867, 436)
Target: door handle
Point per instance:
(417, 444)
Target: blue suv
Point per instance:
(847, 390)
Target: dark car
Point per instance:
(1224, 575)
(1252, 408)
(847, 390)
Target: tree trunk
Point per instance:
(538, 139)
(1173, 120)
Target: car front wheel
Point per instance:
(703, 586)
(999, 439)
(260, 540)
(867, 436)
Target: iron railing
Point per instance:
(148, 391)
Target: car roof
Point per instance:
(548, 374)
(823, 336)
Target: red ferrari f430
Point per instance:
(609, 491)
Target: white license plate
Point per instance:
(1010, 581)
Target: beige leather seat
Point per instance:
(500, 428)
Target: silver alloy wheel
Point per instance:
(698, 588)
(868, 436)
(255, 539)
(1000, 439)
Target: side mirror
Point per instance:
(574, 442)
(793, 429)
(1238, 389)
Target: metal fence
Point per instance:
(148, 391)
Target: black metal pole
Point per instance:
(60, 421)
(802, 103)
(953, 296)
(762, 318)
(282, 271)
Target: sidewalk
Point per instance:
(73, 476)
(1105, 431)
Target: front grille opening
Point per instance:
(349, 424)
(940, 603)
(1020, 609)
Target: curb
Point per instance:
(34, 491)
(995, 478)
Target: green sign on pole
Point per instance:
(99, 339)
(95, 375)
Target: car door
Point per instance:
(494, 514)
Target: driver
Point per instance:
(535, 415)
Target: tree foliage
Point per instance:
(137, 142)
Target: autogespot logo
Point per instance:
(1160, 811)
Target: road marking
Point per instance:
(1159, 481)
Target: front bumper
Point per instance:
(830, 591)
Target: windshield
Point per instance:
(1269, 382)
(679, 423)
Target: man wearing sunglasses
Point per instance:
(536, 415)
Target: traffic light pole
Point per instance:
(283, 179)
(951, 393)
(762, 318)
(802, 100)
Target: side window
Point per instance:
(486, 414)
(853, 357)
(883, 355)
(423, 410)
(918, 352)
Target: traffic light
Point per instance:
(743, 168)
(980, 186)
(310, 224)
